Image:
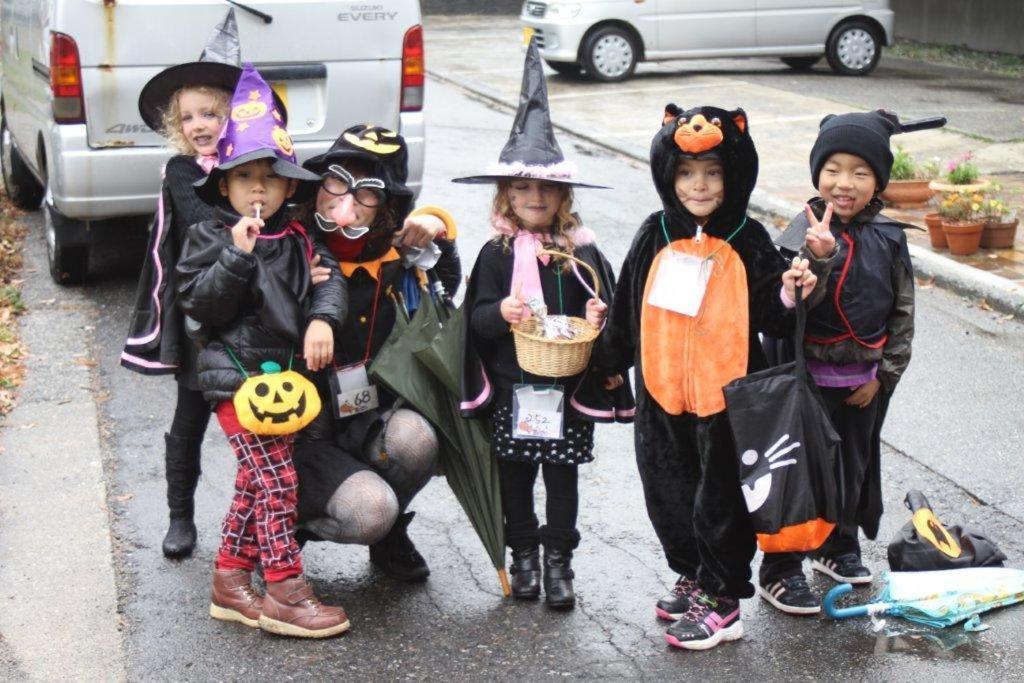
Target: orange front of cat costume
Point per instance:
(687, 360)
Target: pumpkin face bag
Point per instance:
(276, 402)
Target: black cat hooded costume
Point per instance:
(684, 448)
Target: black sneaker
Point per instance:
(675, 604)
(709, 621)
(845, 568)
(791, 595)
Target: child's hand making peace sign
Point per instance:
(820, 240)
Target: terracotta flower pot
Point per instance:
(998, 235)
(963, 238)
(935, 231)
(907, 194)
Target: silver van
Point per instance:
(606, 39)
(72, 137)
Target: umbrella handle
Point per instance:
(847, 612)
(506, 589)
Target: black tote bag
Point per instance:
(788, 452)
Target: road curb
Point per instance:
(999, 293)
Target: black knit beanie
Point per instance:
(863, 134)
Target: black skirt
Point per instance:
(576, 447)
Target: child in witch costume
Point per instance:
(360, 464)
(701, 280)
(188, 104)
(533, 209)
(858, 340)
(244, 278)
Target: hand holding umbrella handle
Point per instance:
(829, 602)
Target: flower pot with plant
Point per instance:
(936, 234)
(909, 181)
(962, 176)
(962, 222)
(1000, 224)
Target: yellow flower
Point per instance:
(975, 206)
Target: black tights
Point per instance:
(521, 527)
(191, 415)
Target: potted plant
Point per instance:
(908, 186)
(962, 176)
(1000, 224)
(936, 234)
(962, 222)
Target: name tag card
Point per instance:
(351, 391)
(537, 412)
(680, 283)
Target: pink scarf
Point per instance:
(207, 162)
(525, 271)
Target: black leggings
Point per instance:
(191, 414)
(521, 527)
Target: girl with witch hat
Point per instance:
(188, 104)
(244, 277)
(532, 208)
(362, 463)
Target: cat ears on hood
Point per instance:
(675, 112)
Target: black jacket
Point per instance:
(156, 342)
(258, 305)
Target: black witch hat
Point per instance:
(532, 152)
(219, 66)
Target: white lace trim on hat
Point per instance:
(563, 170)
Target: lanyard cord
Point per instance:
(241, 368)
(728, 239)
(373, 314)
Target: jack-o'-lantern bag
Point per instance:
(275, 402)
(787, 452)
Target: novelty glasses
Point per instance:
(367, 191)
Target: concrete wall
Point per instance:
(989, 25)
(511, 7)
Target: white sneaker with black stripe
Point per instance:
(846, 568)
(790, 595)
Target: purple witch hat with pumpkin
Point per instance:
(255, 130)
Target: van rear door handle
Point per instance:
(293, 72)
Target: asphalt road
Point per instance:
(954, 432)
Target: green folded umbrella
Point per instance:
(420, 363)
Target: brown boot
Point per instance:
(234, 599)
(291, 609)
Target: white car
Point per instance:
(72, 136)
(607, 38)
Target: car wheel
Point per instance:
(22, 187)
(853, 49)
(800, 63)
(610, 55)
(67, 247)
(565, 68)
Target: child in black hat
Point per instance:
(244, 278)
(858, 340)
(188, 104)
(532, 208)
(361, 465)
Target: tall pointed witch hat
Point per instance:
(532, 152)
(219, 66)
(255, 130)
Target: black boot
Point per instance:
(525, 573)
(558, 576)
(396, 556)
(182, 465)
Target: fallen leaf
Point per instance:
(124, 497)
(984, 305)
(925, 283)
(30, 425)
(86, 362)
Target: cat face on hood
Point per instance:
(702, 133)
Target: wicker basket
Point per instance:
(556, 357)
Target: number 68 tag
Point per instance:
(351, 391)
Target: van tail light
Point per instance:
(413, 70)
(66, 80)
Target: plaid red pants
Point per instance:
(260, 524)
